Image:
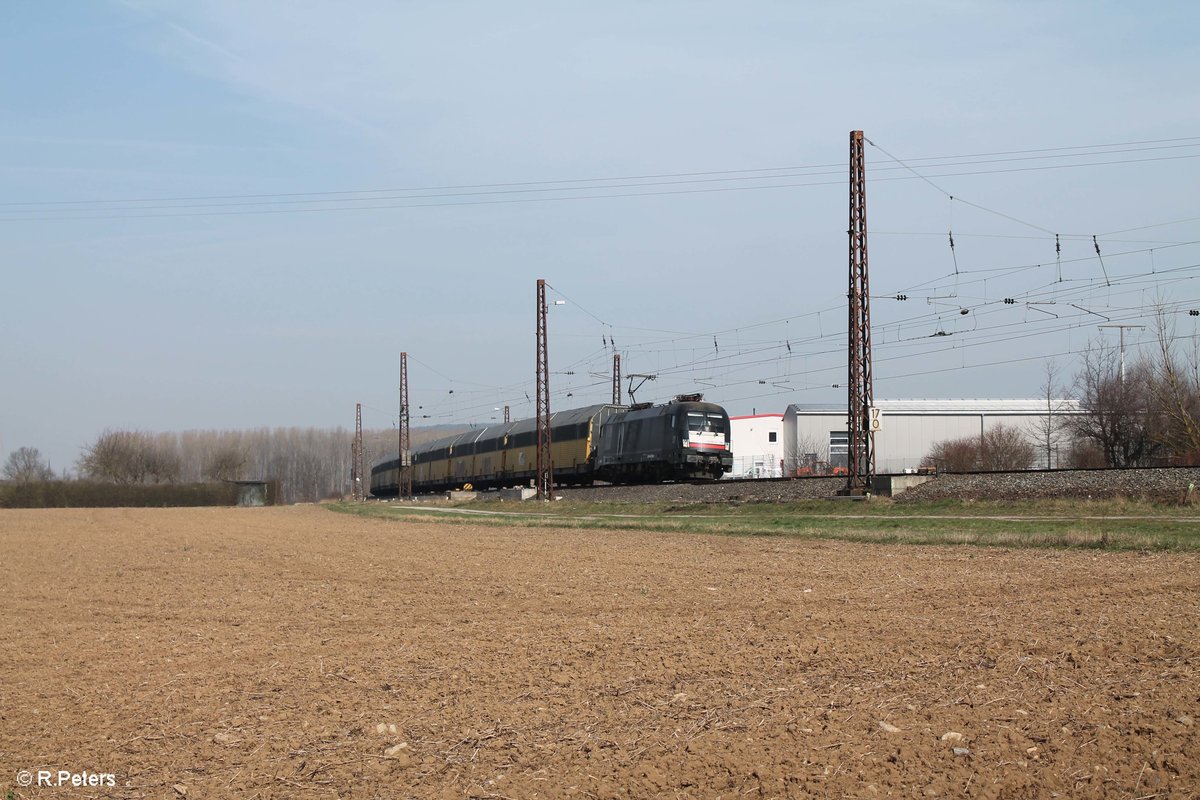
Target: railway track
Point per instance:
(1166, 484)
(1161, 484)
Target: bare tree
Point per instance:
(1084, 454)
(161, 457)
(226, 464)
(1175, 390)
(25, 465)
(953, 455)
(115, 456)
(1004, 447)
(132, 457)
(1117, 410)
(1050, 428)
(807, 455)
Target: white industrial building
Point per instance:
(816, 435)
(810, 439)
(758, 448)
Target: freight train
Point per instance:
(686, 438)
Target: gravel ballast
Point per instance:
(1168, 485)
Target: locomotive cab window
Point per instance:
(705, 423)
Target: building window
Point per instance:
(772, 436)
(839, 448)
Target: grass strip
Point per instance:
(1102, 525)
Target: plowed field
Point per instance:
(294, 652)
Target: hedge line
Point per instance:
(89, 494)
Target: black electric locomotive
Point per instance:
(686, 438)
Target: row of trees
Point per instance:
(1144, 412)
(310, 464)
(1140, 413)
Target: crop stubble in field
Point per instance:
(290, 652)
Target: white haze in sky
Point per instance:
(309, 188)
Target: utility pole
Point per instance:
(545, 467)
(616, 379)
(404, 468)
(1123, 328)
(357, 468)
(860, 471)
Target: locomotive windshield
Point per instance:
(705, 423)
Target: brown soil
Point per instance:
(288, 652)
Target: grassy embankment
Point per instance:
(1101, 524)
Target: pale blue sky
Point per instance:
(169, 312)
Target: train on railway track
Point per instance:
(685, 439)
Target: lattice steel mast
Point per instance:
(357, 467)
(545, 468)
(616, 379)
(404, 469)
(861, 456)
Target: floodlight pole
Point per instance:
(1123, 328)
